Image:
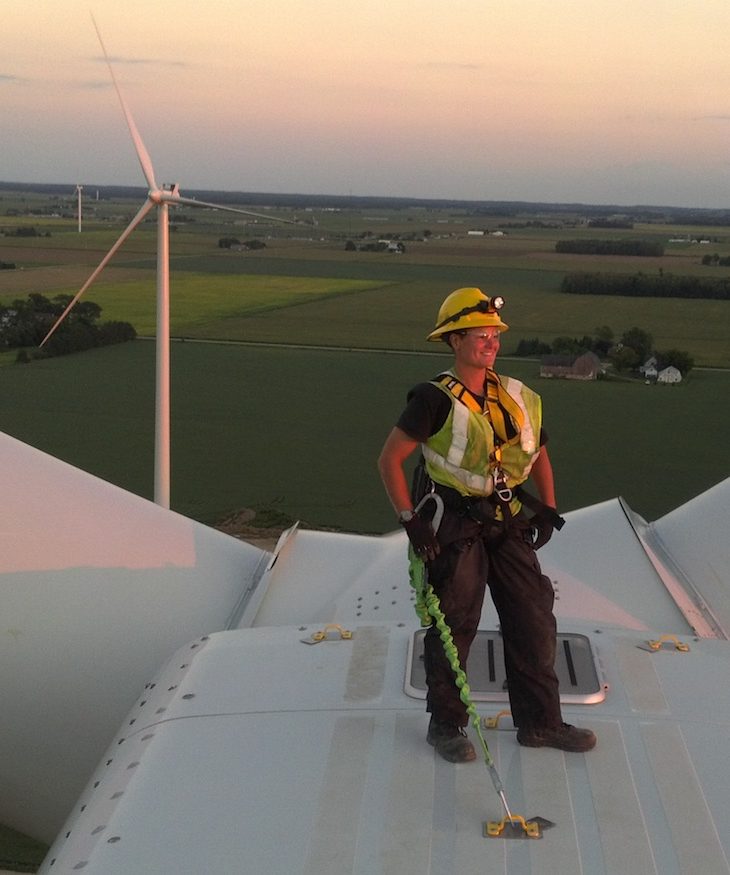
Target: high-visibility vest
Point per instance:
(461, 454)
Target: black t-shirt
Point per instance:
(427, 409)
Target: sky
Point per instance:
(601, 101)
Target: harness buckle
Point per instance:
(504, 492)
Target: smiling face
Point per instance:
(476, 348)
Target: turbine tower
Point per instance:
(79, 189)
(159, 198)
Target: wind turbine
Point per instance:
(160, 198)
(79, 189)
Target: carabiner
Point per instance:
(438, 513)
(504, 492)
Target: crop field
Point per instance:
(319, 346)
(522, 265)
(297, 431)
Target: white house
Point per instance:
(649, 369)
(669, 375)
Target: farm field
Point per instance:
(294, 428)
(217, 293)
(294, 433)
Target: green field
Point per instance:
(298, 430)
(216, 293)
(295, 428)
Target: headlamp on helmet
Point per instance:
(468, 308)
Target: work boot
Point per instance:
(450, 742)
(563, 737)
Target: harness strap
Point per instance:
(499, 406)
(460, 392)
(539, 507)
(502, 408)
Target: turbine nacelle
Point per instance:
(167, 194)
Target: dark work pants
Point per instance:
(471, 559)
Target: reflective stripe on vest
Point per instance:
(527, 435)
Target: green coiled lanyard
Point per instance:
(428, 609)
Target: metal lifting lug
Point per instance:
(323, 634)
(493, 722)
(668, 642)
(516, 827)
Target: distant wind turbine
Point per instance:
(159, 197)
(79, 189)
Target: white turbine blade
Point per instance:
(148, 205)
(142, 153)
(196, 203)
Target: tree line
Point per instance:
(641, 285)
(651, 248)
(716, 260)
(25, 322)
(626, 353)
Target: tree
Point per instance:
(39, 303)
(532, 346)
(568, 346)
(681, 360)
(603, 340)
(27, 321)
(84, 311)
(623, 358)
(640, 341)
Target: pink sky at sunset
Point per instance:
(598, 102)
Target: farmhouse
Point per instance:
(583, 367)
(649, 369)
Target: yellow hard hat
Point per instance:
(468, 308)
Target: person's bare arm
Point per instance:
(397, 448)
(543, 478)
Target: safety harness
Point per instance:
(507, 418)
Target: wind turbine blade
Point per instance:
(195, 203)
(148, 205)
(142, 153)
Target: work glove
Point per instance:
(422, 537)
(542, 526)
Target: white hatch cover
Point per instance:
(580, 677)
